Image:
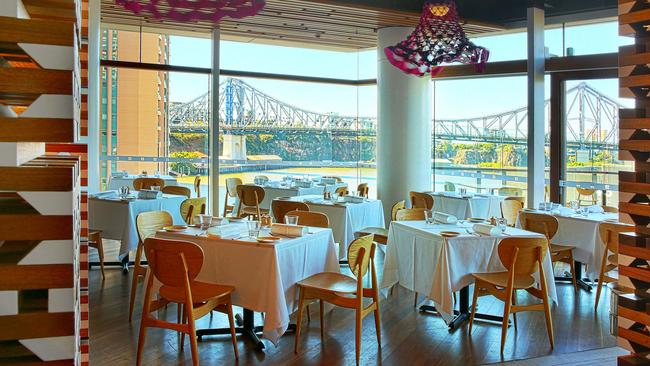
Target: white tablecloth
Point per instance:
(265, 275)
(346, 219)
(116, 218)
(420, 260)
(273, 192)
(115, 183)
(480, 206)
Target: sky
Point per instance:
(453, 99)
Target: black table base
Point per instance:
(580, 282)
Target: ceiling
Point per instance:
(350, 24)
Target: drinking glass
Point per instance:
(155, 188)
(124, 191)
(541, 206)
(575, 205)
(548, 206)
(291, 220)
(502, 224)
(253, 228)
(428, 216)
(205, 220)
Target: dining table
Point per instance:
(346, 218)
(463, 206)
(419, 258)
(264, 275)
(118, 181)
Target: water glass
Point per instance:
(428, 216)
(253, 228)
(124, 191)
(205, 220)
(502, 224)
(291, 220)
(155, 188)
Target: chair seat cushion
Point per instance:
(201, 292)
(332, 282)
(554, 248)
(501, 279)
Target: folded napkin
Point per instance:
(225, 231)
(595, 209)
(289, 230)
(149, 194)
(486, 229)
(105, 194)
(444, 218)
(353, 199)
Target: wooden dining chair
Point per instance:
(231, 192)
(197, 185)
(147, 223)
(609, 237)
(510, 209)
(421, 200)
(345, 291)
(192, 207)
(341, 191)
(363, 190)
(510, 191)
(176, 264)
(177, 190)
(338, 179)
(547, 225)
(279, 208)
(586, 196)
(147, 183)
(412, 214)
(311, 218)
(95, 241)
(521, 257)
(250, 197)
(380, 235)
(610, 209)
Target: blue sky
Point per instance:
(483, 96)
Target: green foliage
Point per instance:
(185, 167)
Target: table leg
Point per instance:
(248, 330)
(578, 275)
(125, 264)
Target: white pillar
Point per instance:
(94, 88)
(536, 69)
(214, 125)
(404, 126)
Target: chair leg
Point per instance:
(547, 315)
(415, 300)
(100, 252)
(179, 320)
(184, 321)
(192, 334)
(141, 340)
(233, 335)
(506, 318)
(322, 324)
(475, 299)
(572, 263)
(514, 302)
(378, 323)
(599, 288)
(134, 281)
(308, 315)
(301, 303)
(357, 334)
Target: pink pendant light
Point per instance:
(438, 38)
(194, 10)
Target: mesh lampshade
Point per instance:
(194, 10)
(438, 38)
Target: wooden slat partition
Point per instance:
(634, 248)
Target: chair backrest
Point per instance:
(610, 209)
(147, 223)
(279, 208)
(421, 200)
(250, 194)
(197, 186)
(311, 218)
(360, 253)
(539, 223)
(173, 262)
(192, 207)
(410, 214)
(609, 234)
(524, 253)
(450, 187)
(585, 191)
(363, 190)
(177, 190)
(510, 210)
(231, 186)
(399, 205)
(510, 191)
(342, 191)
(147, 183)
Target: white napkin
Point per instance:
(353, 199)
(149, 194)
(486, 229)
(444, 218)
(595, 209)
(289, 230)
(224, 231)
(105, 194)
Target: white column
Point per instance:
(94, 88)
(214, 125)
(404, 129)
(536, 68)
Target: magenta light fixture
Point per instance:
(438, 38)
(194, 10)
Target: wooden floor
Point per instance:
(408, 336)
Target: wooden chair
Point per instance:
(231, 192)
(310, 218)
(279, 208)
(522, 257)
(147, 224)
(450, 187)
(510, 191)
(610, 209)
(338, 179)
(192, 207)
(197, 186)
(95, 241)
(341, 191)
(380, 235)
(586, 196)
(177, 190)
(362, 190)
(609, 236)
(147, 183)
(345, 291)
(176, 264)
(250, 197)
(421, 200)
(547, 225)
(510, 209)
(413, 214)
